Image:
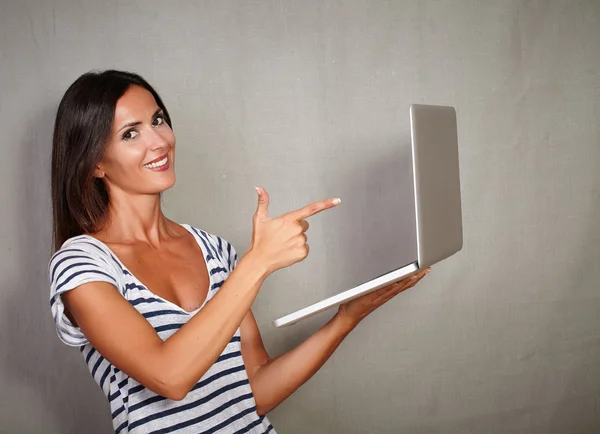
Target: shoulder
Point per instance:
(79, 260)
(216, 246)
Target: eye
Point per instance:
(159, 120)
(130, 134)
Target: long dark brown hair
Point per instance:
(81, 133)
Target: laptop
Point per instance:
(437, 204)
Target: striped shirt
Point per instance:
(221, 401)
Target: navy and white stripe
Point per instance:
(221, 401)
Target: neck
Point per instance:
(135, 218)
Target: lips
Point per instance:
(157, 159)
(159, 164)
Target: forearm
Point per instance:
(273, 382)
(194, 348)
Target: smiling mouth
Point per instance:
(158, 163)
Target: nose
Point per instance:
(157, 142)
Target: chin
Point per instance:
(160, 187)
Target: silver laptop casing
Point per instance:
(434, 142)
(436, 181)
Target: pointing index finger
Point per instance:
(314, 208)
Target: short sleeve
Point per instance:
(230, 255)
(73, 265)
(223, 249)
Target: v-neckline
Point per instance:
(205, 254)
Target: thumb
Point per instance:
(262, 210)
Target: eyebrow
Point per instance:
(135, 123)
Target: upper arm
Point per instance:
(86, 287)
(117, 331)
(254, 353)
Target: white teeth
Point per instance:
(157, 164)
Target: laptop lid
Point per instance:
(434, 142)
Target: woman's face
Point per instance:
(140, 155)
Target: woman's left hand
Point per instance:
(355, 310)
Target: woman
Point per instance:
(161, 311)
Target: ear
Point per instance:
(98, 172)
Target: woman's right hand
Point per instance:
(281, 241)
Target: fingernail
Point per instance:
(257, 190)
(337, 201)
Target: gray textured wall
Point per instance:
(309, 99)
